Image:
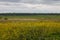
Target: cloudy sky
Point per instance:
(30, 6)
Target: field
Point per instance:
(30, 27)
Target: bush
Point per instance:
(5, 18)
(0, 17)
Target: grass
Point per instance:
(30, 30)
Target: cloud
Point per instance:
(30, 6)
(9, 0)
(34, 1)
(24, 7)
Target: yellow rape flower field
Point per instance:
(29, 30)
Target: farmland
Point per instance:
(30, 27)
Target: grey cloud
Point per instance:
(34, 1)
(51, 1)
(9, 0)
(46, 2)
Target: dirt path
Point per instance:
(24, 19)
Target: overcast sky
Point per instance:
(30, 6)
